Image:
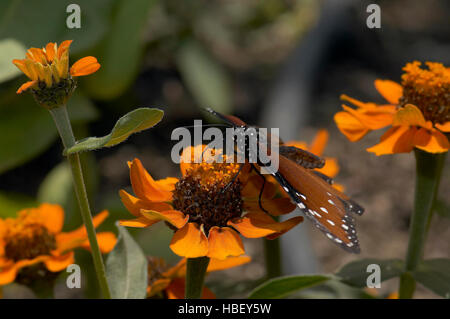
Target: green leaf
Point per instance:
(11, 203)
(26, 129)
(435, 275)
(207, 80)
(283, 286)
(355, 273)
(10, 49)
(132, 122)
(121, 51)
(126, 268)
(57, 185)
(34, 22)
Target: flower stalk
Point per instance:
(195, 277)
(64, 127)
(428, 173)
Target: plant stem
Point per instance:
(272, 255)
(195, 277)
(62, 122)
(428, 173)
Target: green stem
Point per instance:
(272, 255)
(428, 173)
(195, 277)
(62, 122)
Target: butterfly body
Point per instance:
(330, 210)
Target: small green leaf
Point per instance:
(10, 49)
(132, 122)
(207, 80)
(126, 268)
(355, 273)
(283, 286)
(435, 275)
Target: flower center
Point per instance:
(209, 194)
(429, 90)
(28, 241)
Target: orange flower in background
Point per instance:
(208, 208)
(32, 244)
(317, 147)
(50, 66)
(169, 282)
(418, 112)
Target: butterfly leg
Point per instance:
(261, 191)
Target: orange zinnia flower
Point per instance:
(206, 207)
(33, 241)
(170, 282)
(418, 112)
(51, 80)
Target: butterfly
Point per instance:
(330, 210)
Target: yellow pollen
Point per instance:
(210, 194)
(428, 89)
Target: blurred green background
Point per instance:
(274, 63)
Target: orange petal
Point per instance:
(134, 204)
(77, 237)
(51, 216)
(431, 141)
(398, 139)
(320, 141)
(63, 48)
(176, 290)
(189, 242)
(409, 115)
(331, 167)
(140, 222)
(253, 187)
(8, 274)
(144, 186)
(174, 217)
(179, 270)
(390, 90)
(157, 286)
(106, 242)
(85, 66)
(58, 263)
(350, 126)
(50, 51)
(374, 118)
(230, 262)
(276, 207)
(256, 225)
(224, 242)
(25, 86)
(443, 127)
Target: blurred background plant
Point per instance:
(274, 63)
